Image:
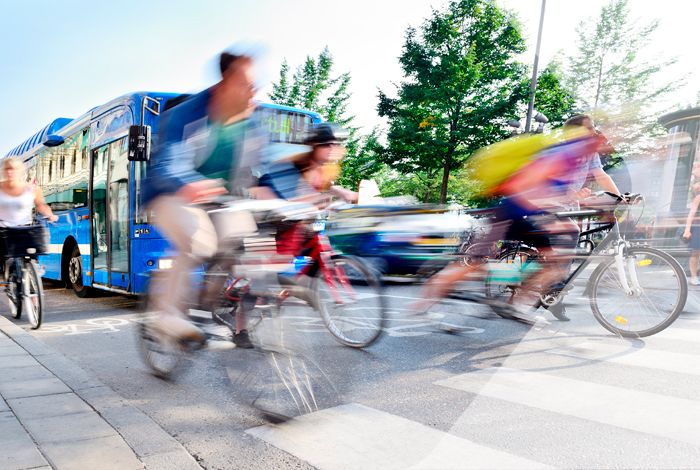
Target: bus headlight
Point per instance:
(165, 263)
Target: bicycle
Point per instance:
(239, 280)
(623, 290)
(21, 271)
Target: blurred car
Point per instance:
(400, 240)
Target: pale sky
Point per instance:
(59, 59)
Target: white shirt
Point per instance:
(16, 210)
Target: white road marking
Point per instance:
(623, 353)
(680, 334)
(651, 413)
(354, 436)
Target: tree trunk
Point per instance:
(451, 146)
(600, 82)
(446, 174)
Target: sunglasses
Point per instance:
(328, 144)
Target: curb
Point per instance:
(153, 446)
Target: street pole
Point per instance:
(533, 81)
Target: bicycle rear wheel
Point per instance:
(662, 293)
(32, 293)
(349, 297)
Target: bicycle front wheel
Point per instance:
(14, 288)
(659, 292)
(33, 294)
(349, 297)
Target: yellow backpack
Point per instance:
(494, 164)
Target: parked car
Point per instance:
(399, 240)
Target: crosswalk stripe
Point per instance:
(693, 303)
(353, 436)
(622, 353)
(680, 334)
(659, 415)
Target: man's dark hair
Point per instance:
(226, 59)
(577, 120)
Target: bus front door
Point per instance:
(110, 216)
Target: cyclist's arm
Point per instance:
(605, 181)
(41, 206)
(345, 194)
(691, 216)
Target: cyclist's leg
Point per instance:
(192, 232)
(565, 237)
(441, 283)
(552, 267)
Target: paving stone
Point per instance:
(32, 345)
(21, 374)
(18, 450)
(48, 406)
(105, 453)
(3, 406)
(102, 397)
(69, 372)
(68, 428)
(32, 388)
(9, 362)
(144, 435)
(11, 350)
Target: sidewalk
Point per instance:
(53, 414)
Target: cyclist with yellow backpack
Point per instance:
(532, 175)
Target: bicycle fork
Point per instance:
(626, 270)
(337, 282)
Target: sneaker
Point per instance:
(176, 326)
(242, 340)
(559, 312)
(694, 281)
(524, 315)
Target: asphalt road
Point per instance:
(499, 395)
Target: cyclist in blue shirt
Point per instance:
(201, 144)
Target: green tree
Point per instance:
(362, 162)
(606, 72)
(553, 98)
(314, 87)
(461, 84)
(280, 90)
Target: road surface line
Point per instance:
(354, 436)
(630, 356)
(651, 413)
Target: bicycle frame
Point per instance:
(320, 251)
(613, 243)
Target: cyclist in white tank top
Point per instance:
(18, 198)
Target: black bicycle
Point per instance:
(634, 291)
(21, 271)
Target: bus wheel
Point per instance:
(75, 274)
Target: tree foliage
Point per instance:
(607, 73)
(461, 83)
(553, 98)
(313, 87)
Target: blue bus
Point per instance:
(103, 238)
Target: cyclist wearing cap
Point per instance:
(305, 175)
(201, 144)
